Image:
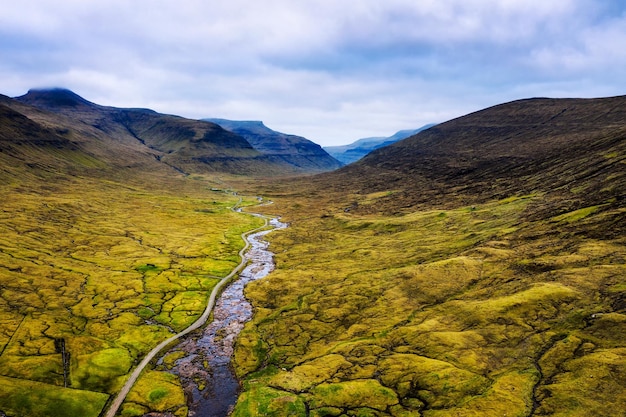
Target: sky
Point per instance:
(332, 71)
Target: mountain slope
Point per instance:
(295, 150)
(358, 149)
(567, 146)
(37, 143)
(183, 144)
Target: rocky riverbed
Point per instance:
(204, 367)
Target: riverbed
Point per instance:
(209, 383)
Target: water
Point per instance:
(209, 383)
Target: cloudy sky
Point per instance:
(330, 70)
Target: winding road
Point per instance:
(121, 396)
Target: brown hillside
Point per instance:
(562, 146)
(37, 142)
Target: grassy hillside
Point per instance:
(565, 147)
(477, 269)
(94, 274)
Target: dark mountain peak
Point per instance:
(51, 98)
(186, 145)
(252, 127)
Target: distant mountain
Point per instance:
(294, 150)
(573, 148)
(188, 146)
(347, 154)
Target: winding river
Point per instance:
(210, 385)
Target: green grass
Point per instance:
(459, 311)
(28, 398)
(155, 391)
(111, 269)
(576, 215)
(475, 310)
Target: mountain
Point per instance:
(294, 150)
(188, 146)
(35, 143)
(568, 147)
(358, 149)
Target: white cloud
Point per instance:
(328, 70)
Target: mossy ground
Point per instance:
(470, 310)
(483, 310)
(110, 269)
(21, 397)
(155, 391)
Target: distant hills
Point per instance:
(347, 154)
(282, 147)
(567, 146)
(118, 139)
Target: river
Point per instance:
(210, 385)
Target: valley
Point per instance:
(467, 311)
(112, 270)
(476, 268)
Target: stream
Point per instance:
(211, 387)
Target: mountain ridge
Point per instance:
(361, 147)
(293, 149)
(186, 145)
(475, 268)
(498, 151)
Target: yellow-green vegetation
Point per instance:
(485, 310)
(21, 397)
(155, 391)
(94, 274)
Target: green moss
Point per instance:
(508, 395)
(263, 401)
(170, 359)
(354, 394)
(100, 369)
(28, 398)
(576, 215)
(436, 382)
(97, 263)
(158, 391)
(588, 386)
(310, 373)
(457, 311)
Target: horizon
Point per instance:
(332, 73)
